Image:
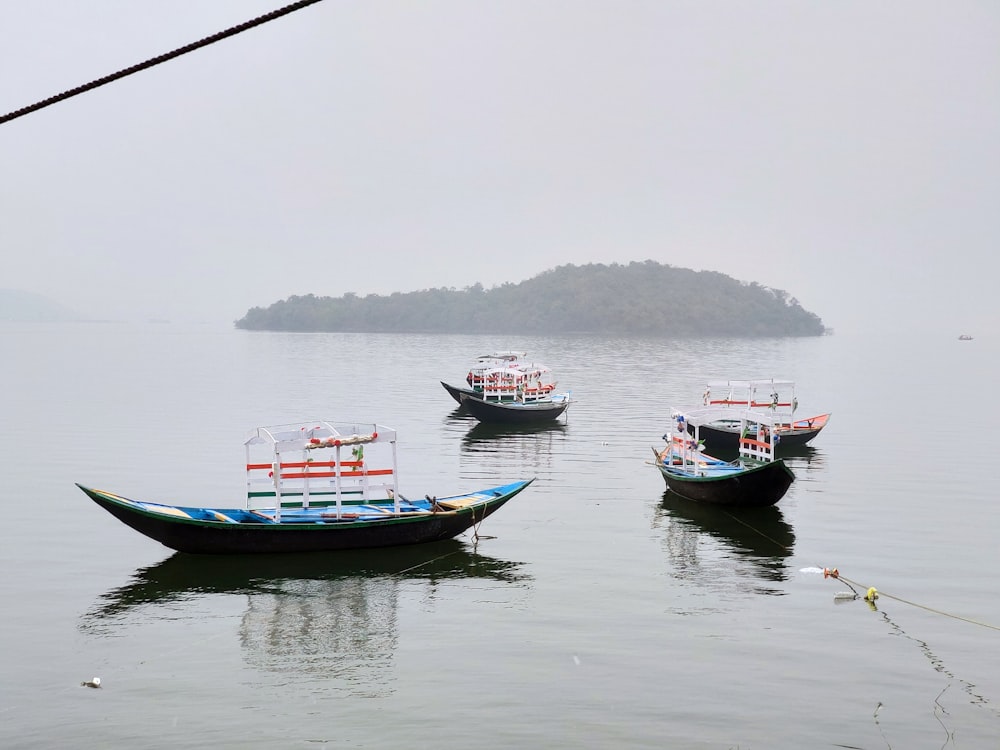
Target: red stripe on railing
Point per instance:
(303, 464)
(321, 474)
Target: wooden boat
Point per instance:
(776, 397)
(504, 376)
(755, 478)
(518, 412)
(458, 393)
(305, 495)
(505, 388)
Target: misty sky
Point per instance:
(846, 152)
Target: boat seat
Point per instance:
(458, 502)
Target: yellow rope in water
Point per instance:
(874, 593)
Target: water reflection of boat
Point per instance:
(183, 577)
(759, 537)
(487, 432)
(329, 619)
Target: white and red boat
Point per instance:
(771, 396)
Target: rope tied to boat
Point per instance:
(872, 594)
(476, 536)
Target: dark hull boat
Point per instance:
(724, 434)
(747, 487)
(460, 394)
(505, 388)
(513, 412)
(754, 479)
(237, 531)
(774, 397)
(305, 495)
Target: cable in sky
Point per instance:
(232, 31)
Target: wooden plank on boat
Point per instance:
(166, 510)
(456, 503)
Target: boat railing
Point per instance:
(500, 388)
(776, 395)
(683, 452)
(320, 464)
(316, 482)
(757, 450)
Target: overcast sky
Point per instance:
(846, 152)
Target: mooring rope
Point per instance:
(475, 540)
(232, 31)
(475, 527)
(428, 562)
(872, 594)
(776, 543)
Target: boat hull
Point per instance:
(757, 486)
(219, 537)
(722, 437)
(460, 394)
(515, 413)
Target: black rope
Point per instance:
(291, 8)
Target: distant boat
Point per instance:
(755, 479)
(303, 496)
(504, 376)
(518, 412)
(965, 337)
(506, 388)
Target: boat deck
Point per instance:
(321, 514)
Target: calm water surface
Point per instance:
(593, 611)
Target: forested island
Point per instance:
(640, 298)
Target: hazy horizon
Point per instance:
(845, 153)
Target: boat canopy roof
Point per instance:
(772, 393)
(511, 371)
(747, 385)
(320, 433)
(508, 356)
